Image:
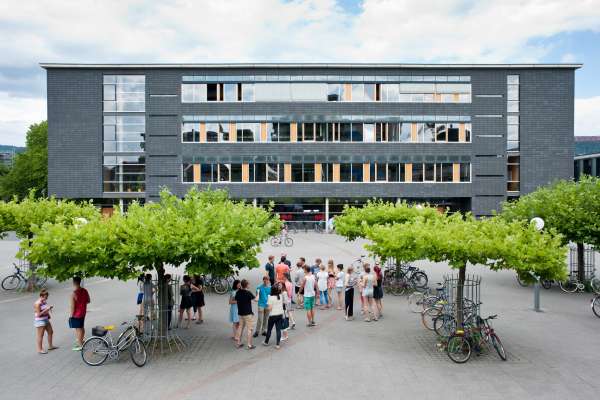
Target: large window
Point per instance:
(248, 132)
(124, 173)
(513, 174)
(190, 132)
(228, 92)
(444, 172)
(303, 172)
(124, 93)
(278, 132)
(124, 133)
(211, 173)
(351, 172)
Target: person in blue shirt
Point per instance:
(262, 296)
(270, 268)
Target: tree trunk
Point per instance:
(163, 302)
(459, 296)
(581, 262)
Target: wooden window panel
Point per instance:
(455, 98)
(202, 132)
(318, 172)
(408, 172)
(232, 132)
(413, 132)
(462, 137)
(347, 92)
(263, 132)
(455, 172)
(293, 132)
(196, 173)
(245, 172)
(366, 172)
(287, 172)
(336, 172)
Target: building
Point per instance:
(7, 158)
(587, 156)
(310, 137)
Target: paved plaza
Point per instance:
(553, 354)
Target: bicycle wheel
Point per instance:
(94, 351)
(444, 325)
(221, 286)
(498, 346)
(415, 302)
(419, 279)
(11, 282)
(275, 241)
(459, 349)
(289, 242)
(596, 306)
(521, 282)
(138, 353)
(546, 284)
(428, 316)
(595, 285)
(568, 286)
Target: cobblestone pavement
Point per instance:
(553, 354)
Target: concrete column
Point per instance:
(326, 214)
(254, 202)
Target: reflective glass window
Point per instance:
(417, 172)
(230, 92)
(453, 131)
(405, 132)
(212, 132)
(357, 132)
(345, 133)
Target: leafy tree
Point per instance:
(459, 241)
(206, 231)
(353, 221)
(571, 208)
(30, 168)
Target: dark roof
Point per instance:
(585, 145)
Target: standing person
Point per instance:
(288, 305)
(285, 260)
(270, 268)
(368, 283)
(80, 298)
(243, 299)
(378, 290)
(314, 269)
(280, 270)
(349, 285)
(330, 282)
(170, 300)
(298, 278)
(339, 285)
(148, 303)
(234, 318)
(275, 304)
(185, 291)
(197, 298)
(309, 286)
(262, 293)
(41, 321)
(322, 286)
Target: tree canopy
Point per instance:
(30, 168)
(206, 230)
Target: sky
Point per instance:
(399, 31)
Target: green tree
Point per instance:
(30, 168)
(206, 231)
(459, 241)
(571, 208)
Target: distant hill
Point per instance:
(587, 145)
(5, 148)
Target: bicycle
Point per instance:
(545, 283)
(282, 238)
(419, 301)
(19, 279)
(405, 279)
(319, 227)
(595, 304)
(101, 346)
(572, 285)
(464, 341)
(218, 285)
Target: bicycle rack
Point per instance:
(471, 291)
(589, 261)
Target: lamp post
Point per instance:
(539, 225)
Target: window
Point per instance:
(188, 173)
(417, 172)
(467, 132)
(390, 92)
(124, 133)
(193, 92)
(124, 93)
(345, 132)
(512, 92)
(278, 131)
(429, 172)
(247, 92)
(370, 92)
(306, 132)
(513, 174)
(465, 172)
(380, 132)
(394, 172)
(333, 132)
(440, 133)
(452, 132)
(248, 132)
(212, 92)
(303, 172)
(351, 172)
(230, 92)
(444, 172)
(213, 132)
(334, 92)
(358, 92)
(428, 135)
(124, 173)
(327, 172)
(512, 106)
(405, 132)
(369, 132)
(378, 172)
(357, 132)
(190, 132)
(512, 132)
(274, 172)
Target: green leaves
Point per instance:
(205, 230)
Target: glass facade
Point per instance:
(513, 136)
(124, 133)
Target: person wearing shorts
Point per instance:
(79, 301)
(41, 322)
(369, 281)
(309, 284)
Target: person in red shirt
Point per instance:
(280, 270)
(79, 301)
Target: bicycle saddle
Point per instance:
(99, 331)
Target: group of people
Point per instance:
(284, 288)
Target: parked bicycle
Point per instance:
(218, 285)
(545, 283)
(101, 346)
(282, 239)
(404, 279)
(19, 279)
(474, 337)
(595, 304)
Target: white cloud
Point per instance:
(587, 116)
(16, 115)
(272, 30)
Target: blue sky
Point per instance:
(431, 31)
